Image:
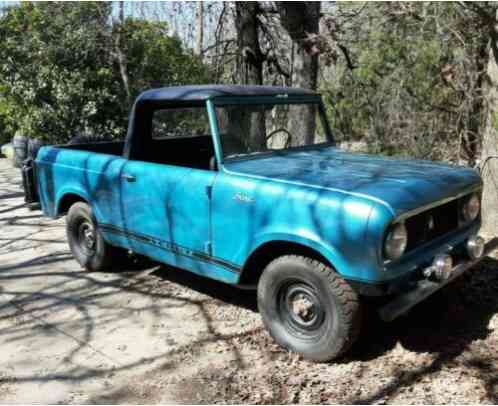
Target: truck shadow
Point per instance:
(216, 290)
(449, 327)
(455, 316)
(445, 323)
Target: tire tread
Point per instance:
(350, 308)
(109, 257)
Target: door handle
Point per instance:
(129, 178)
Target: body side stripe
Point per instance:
(174, 248)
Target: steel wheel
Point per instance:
(300, 309)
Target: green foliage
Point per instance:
(51, 71)
(156, 59)
(59, 74)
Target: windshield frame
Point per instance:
(221, 101)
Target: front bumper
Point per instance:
(424, 288)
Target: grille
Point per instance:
(421, 228)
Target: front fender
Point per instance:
(332, 223)
(310, 241)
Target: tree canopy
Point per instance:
(60, 75)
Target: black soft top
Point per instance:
(139, 127)
(199, 93)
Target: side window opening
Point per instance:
(181, 137)
(180, 122)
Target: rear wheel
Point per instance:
(308, 308)
(86, 242)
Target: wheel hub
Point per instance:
(303, 307)
(86, 235)
(89, 238)
(300, 308)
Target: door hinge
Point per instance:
(209, 191)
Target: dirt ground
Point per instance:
(154, 334)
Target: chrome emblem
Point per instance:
(243, 198)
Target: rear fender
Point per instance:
(77, 191)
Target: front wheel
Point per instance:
(308, 308)
(86, 241)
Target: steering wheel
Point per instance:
(283, 130)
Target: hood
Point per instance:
(401, 184)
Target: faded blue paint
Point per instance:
(334, 202)
(400, 185)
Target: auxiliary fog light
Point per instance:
(442, 266)
(475, 247)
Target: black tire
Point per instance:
(20, 146)
(34, 145)
(328, 316)
(81, 230)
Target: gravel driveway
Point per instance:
(154, 334)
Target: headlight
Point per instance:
(471, 208)
(396, 241)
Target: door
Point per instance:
(166, 211)
(165, 188)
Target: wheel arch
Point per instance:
(267, 251)
(67, 200)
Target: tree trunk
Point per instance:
(301, 21)
(250, 65)
(200, 28)
(250, 69)
(472, 139)
(489, 164)
(120, 56)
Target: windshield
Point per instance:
(250, 129)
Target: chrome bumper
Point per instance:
(426, 287)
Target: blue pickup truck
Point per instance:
(217, 180)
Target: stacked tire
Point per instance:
(20, 146)
(34, 144)
(24, 148)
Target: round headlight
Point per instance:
(396, 241)
(475, 247)
(471, 208)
